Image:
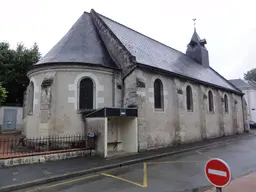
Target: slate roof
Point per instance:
(253, 84)
(82, 44)
(153, 53)
(240, 84)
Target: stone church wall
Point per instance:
(32, 120)
(174, 124)
(41, 121)
(156, 128)
(65, 117)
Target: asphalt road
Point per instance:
(178, 173)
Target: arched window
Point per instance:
(86, 94)
(210, 100)
(189, 98)
(226, 103)
(158, 94)
(30, 97)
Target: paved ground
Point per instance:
(183, 172)
(20, 175)
(243, 184)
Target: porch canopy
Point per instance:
(113, 112)
(116, 130)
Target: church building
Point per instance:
(132, 91)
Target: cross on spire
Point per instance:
(194, 20)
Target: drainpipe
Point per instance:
(114, 89)
(244, 112)
(122, 90)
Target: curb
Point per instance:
(106, 167)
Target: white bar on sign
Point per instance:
(217, 172)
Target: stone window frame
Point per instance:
(160, 106)
(210, 101)
(226, 105)
(78, 93)
(31, 95)
(189, 98)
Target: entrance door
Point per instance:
(10, 116)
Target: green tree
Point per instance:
(3, 93)
(250, 75)
(14, 65)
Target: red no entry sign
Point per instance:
(218, 172)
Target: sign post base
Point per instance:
(218, 189)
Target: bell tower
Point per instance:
(196, 49)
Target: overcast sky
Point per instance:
(228, 25)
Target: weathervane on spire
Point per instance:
(194, 20)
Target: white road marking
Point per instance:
(46, 172)
(217, 172)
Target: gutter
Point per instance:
(65, 64)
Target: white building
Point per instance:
(249, 89)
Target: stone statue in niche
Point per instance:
(45, 98)
(46, 94)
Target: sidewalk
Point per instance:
(243, 184)
(24, 176)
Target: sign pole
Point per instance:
(218, 189)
